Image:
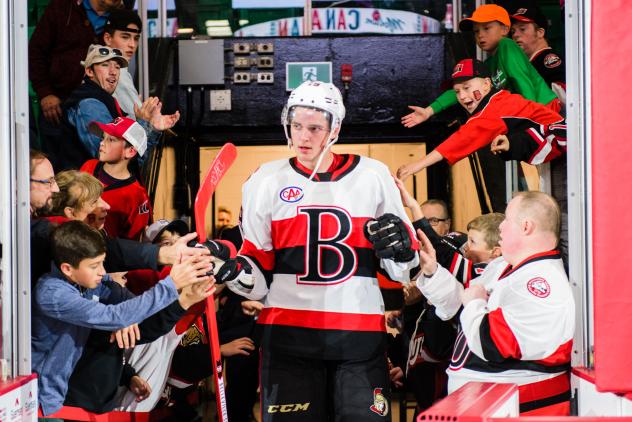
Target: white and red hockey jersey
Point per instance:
(312, 263)
(522, 334)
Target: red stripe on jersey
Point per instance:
(544, 389)
(264, 258)
(386, 283)
(502, 335)
(292, 232)
(561, 356)
(322, 320)
(453, 264)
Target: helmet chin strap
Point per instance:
(321, 156)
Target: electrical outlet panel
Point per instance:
(220, 100)
(265, 48)
(242, 62)
(265, 62)
(265, 78)
(241, 78)
(241, 48)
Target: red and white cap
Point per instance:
(123, 127)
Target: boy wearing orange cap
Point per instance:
(509, 66)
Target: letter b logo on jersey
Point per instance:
(328, 259)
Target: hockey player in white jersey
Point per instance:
(518, 317)
(323, 353)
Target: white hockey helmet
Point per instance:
(323, 96)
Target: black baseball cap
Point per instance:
(120, 19)
(467, 69)
(530, 15)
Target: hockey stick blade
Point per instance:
(216, 171)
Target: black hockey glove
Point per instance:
(235, 273)
(217, 249)
(390, 238)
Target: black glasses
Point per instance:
(434, 220)
(104, 51)
(50, 182)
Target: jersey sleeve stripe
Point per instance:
(497, 339)
(263, 259)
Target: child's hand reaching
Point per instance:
(140, 388)
(119, 277)
(241, 346)
(419, 115)
(251, 307)
(408, 169)
(500, 144)
(127, 337)
(408, 200)
(197, 292)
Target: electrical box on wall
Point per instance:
(220, 100)
(201, 62)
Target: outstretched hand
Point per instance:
(251, 307)
(419, 115)
(172, 254)
(474, 292)
(192, 270)
(161, 121)
(427, 254)
(500, 144)
(140, 388)
(127, 337)
(241, 346)
(409, 169)
(146, 109)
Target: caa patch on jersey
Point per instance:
(539, 287)
(552, 60)
(291, 194)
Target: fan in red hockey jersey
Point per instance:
(518, 316)
(303, 219)
(536, 134)
(122, 141)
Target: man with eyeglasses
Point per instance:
(93, 101)
(436, 212)
(43, 184)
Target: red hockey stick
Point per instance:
(216, 171)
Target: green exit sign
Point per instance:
(298, 72)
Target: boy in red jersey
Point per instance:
(123, 140)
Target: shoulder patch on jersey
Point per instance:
(552, 60)
(539, 287)
(291, 194)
